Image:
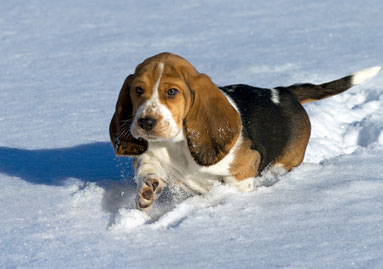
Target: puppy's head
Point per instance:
(167, 99)
(160, 97)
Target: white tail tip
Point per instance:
(365, 74)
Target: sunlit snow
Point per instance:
(66, 200)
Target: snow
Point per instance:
(67, 202)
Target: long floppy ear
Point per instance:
(119, 129)
(212, 125)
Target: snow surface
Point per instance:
(67, 202)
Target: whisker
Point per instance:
(129, 119)
(124, 133)
(126, 122)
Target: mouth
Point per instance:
(147, 135)
(159, 134)
(151, 137)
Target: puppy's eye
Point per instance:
(139, 90)
(171, 93)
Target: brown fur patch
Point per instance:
(296, 147)
(212, 125)
(308, 101)
(119, 129)
(246, 162)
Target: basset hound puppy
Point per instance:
(181, 128)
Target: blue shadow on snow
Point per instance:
(89, 162)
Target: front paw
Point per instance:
(150, 191)
(145, 198)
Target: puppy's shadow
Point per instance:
(117, 195)
(94, 162)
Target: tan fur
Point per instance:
(212, 125)
(246, 162)
(296, 148)
(310, 100)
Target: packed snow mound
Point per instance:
(346, 122)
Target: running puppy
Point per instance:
(180, 127)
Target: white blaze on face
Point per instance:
(155, 96)
(155, 109)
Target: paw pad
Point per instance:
(147, 194)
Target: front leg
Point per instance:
(150, 190)
(244, 168)
(149, 179)
(244, 185)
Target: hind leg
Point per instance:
(295, 149)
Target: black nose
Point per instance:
(147, 123)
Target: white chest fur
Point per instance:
(177, 165)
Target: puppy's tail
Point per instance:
(307, 92)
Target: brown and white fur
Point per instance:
(180, 127)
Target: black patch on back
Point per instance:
(265, 123)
